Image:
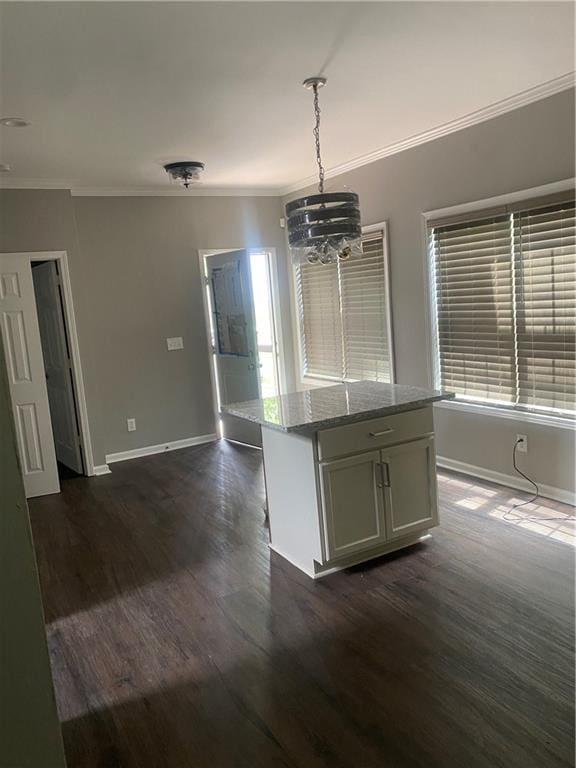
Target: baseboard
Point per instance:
(301, 567)
(244, 445)
(511, 481)
(149, 450)
(101, 469)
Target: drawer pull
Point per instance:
(383, 432)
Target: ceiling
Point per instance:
(114, 90)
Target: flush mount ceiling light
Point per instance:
(5, 168)
(185, 172)
(325, 227)
(14, 122)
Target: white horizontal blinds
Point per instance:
(343, 310)
(545, 290)
(364, 292)
(318, 298)
(475, 313)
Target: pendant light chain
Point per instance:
(317, 139)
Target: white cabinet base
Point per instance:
(328, 515)
(319, 571)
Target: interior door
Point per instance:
(234, 344)
(353, 504)
(25, 364)
(410, 487)
(57, 365)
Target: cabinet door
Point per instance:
(353, 504)
(410, 502)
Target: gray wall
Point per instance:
(522, 149)
(136, 280)
(44, 220)
(141, 255)
(29, 730)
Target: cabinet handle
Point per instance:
(383, 432)
(386, 474)
(378, 475)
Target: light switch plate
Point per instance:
(131, 425)
(176, 342)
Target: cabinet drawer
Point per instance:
(375, 433)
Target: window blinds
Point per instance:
(364, 293)
(505, 301)
(344, 320)
(475, 309)
(545, 287)
(318, 297)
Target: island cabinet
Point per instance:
(349, 469)
(346, 494)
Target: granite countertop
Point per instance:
(325, 407)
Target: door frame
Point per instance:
(70, 322)
(276, 318)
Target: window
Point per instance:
(344, 316)
(504, 289)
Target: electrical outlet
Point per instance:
(131, 424)
(521, 443)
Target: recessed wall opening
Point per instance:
(44, 372)
(243, 321)
(58, 368)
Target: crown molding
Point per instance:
(8, 183)
(202, 191)
(522, 99)
(171, 191)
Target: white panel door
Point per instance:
(57, 365)
(410, 487)
(353, 504)
(24, 361)
(235, 345)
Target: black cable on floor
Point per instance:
(523, 503)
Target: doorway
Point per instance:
(242, 310)
(43, 363)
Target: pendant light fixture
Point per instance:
(323, 228)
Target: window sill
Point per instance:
(526, 417)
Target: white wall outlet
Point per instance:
(522, 447)
(176, 342)
(131, 424)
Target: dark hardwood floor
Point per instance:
(178, 641)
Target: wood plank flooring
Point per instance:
(177, 641)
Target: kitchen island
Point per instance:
(350, 471)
